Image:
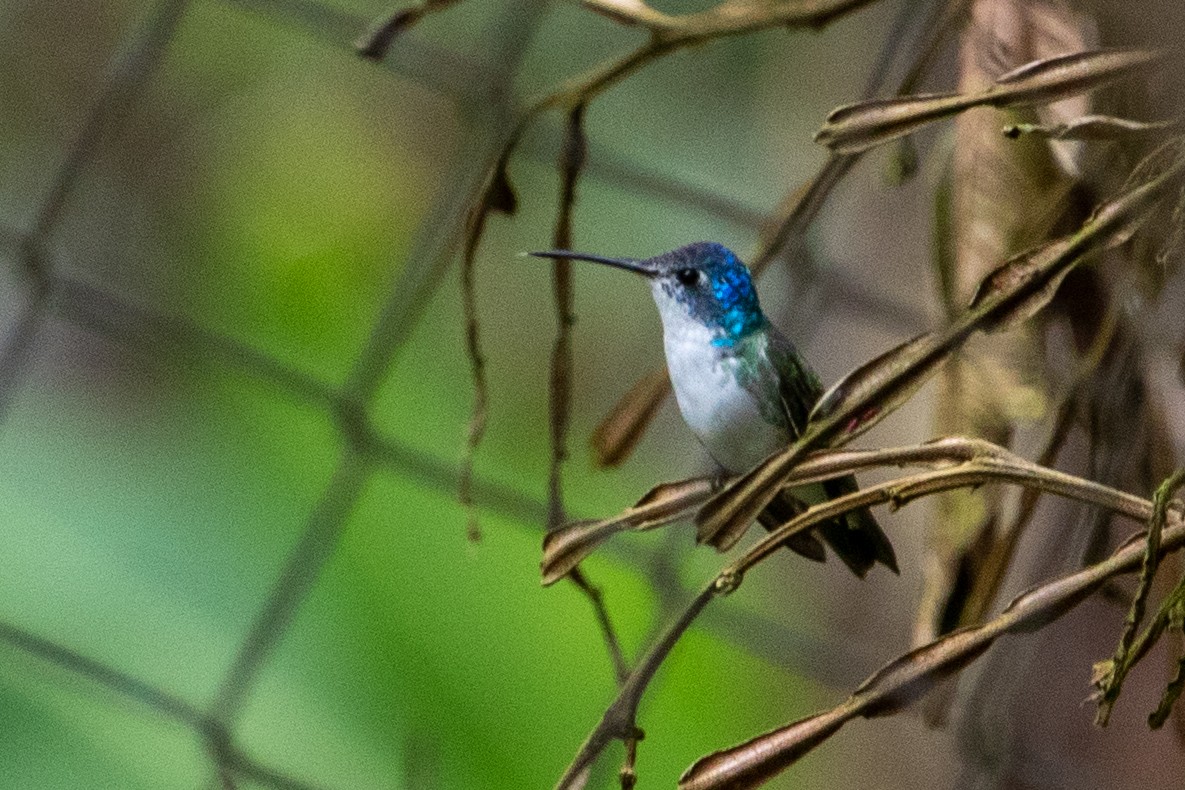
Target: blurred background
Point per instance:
(216, 571)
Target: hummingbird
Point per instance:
(742, 387)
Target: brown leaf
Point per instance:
(673, 495)
(753, 763)
(858, 127)
(903, 680)
(1050, 79)
(564, 548)
(852, 408)
(908, 365)
(618, 434)
(1020, 276)
(855, 128)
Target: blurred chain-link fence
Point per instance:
(341, 414)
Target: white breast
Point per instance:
(717, 409)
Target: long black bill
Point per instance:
(629, 264)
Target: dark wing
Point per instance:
(798, 385)
(857, 538)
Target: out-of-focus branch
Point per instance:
(619, 432)
(728, 18)
(376, 41)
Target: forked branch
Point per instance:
(952, 463)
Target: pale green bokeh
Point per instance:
(268, 188)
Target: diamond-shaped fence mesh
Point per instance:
(101, 412)
(233, 392)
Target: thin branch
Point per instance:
(571, 162)
(1010, 294)
(572, 157)
(619, 720)
(375, 42)
(690, 30)
(464, 76)
(959, 462)
(623, 427)
(905, 679)
(595, 597)
(463, 210)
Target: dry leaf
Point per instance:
(564, 548)
(1005, 197)
(857, 127)
(618, 434)
(851, 409)
(905, 679)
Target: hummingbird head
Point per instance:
(703, 284)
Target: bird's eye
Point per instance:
(687, 277)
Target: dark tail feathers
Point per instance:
(856, 539)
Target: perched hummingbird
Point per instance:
(742, 387)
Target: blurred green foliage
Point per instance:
(269, 186)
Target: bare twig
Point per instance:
(1010, 294)
(902, 681)
(376, 41)
(622, 428)
(621, 669)
(572, 156)
(957, 463)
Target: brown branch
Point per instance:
(903, 680)
(477, 417)
(496, 195)
(1007, 296)
(620, 431)
(957, 462)
(376, 42)
(593, 593)
(571, 162)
